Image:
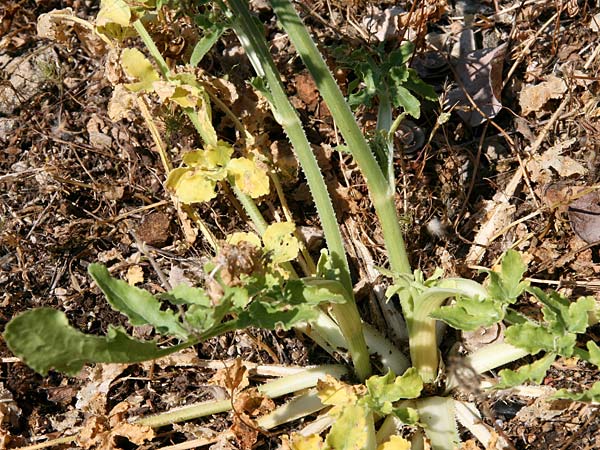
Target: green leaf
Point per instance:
(43, 339)
(139, 306)
(400, 56)
(187, 295)
(594, 351)
(590, 395)
(263, 314)
(415, 84)
(469, 314)
(535, 338)
(401, 96)
(408, 416)
(506, 285)
(205, 43)
(563, 314)
(387, 389)
(534, 372)
(314, 291)
(137, 66)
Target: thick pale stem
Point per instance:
(382, 193)
(346, 314)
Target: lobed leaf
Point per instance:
(279, 239)
(535, 338)
(249, 177)
(506, 285)
(264, 314)
(387, 389)
(589, 395)
(534, 372)
(191, 185)
(43, 339)
(138, 305)
(469, 313)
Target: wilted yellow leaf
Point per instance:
(137, 66)
(113, 11)
(240, 236)
(337, 393)
(185, 95)
(191, 185)
(213, 156)
(250, 178)
(279, 240)
(395, 443)
(311, 442)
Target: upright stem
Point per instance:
(255, 46)
(382, 193)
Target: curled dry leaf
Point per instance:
(233, 378)
(539, 165)
(52, 25)
(480, 76)
(100, 432)
(533, 98)
(584, 215)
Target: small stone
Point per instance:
(155, 229)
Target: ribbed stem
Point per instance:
(255, 46)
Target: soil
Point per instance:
(77, 187)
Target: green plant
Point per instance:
(251, 281)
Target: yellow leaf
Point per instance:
(185, 95)
(137, 66)
(395, 443)
(191, 185)
(337, 393)
(213, 156)
(279, 240)
(240, 236)
(113, 11)
(206, 129)
(311, 442)
(250, 178)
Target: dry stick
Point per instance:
(183, 211)
(526, 48)
(472, 183)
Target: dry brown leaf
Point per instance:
(121, 104)
(247, 405)
(253, 403)
(306, 90)
(91, 398)
(100, 432)
(533, 98)
(54, 27)
(584, 215)
(233, 378)
(539, 166)
(135, 275)
(480, 75)
(183, 358)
